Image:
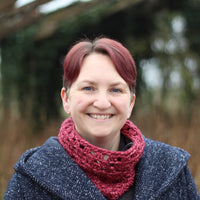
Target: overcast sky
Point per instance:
(48, 7)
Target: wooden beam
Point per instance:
(18, 18)
(51, 22)
(14, 19)
(6, 5)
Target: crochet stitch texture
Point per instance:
(112, 172)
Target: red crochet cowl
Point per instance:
(112, 172)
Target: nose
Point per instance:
(102, 101)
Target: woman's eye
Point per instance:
(88, 88)
(116, 90)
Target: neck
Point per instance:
(109, 142)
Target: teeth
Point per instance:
(95, 116)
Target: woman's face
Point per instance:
(99, 101)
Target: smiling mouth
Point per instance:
(98, 116)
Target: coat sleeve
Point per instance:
(182, 188)
(13, 190)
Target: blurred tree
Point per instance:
(176, 44)
(31, 58)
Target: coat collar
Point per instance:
(159, 166)
(52, 168)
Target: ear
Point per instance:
(131, 105)
(65, 100)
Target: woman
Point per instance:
(98, 153)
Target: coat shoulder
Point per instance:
(51, 171)
(157, 152)
(160, 166)
(162, 161)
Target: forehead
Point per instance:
(98, 66)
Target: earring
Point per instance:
(68, 111)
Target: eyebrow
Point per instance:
(91, 82)
(119, 84)
(87, 82)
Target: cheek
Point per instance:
(123, 105)
(79, 103)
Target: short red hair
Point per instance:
(119, 55)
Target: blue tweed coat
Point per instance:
(47, 172)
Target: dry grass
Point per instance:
(16, 137)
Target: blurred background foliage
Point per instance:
(162, 35)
